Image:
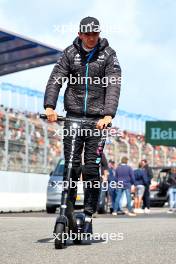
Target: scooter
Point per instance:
(76, 222)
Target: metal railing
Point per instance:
(29, 144)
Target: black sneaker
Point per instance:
(111, 210)
(120, 212)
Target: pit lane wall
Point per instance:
(22, 191)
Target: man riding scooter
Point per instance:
(93, 96)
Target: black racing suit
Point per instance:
(90, 170)
(89, 101)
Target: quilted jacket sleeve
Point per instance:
(56, 80)
(113, 75)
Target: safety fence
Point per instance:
(29, 144)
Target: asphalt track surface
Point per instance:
(27, 238)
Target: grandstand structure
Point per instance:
(30, 144)
(18, 53)
(22, 98)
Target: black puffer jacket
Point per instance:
(91, 99)
(172, 180)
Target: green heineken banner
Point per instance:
(161, 133)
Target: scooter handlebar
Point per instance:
(62, 118)
(59, 118)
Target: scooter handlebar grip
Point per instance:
(59, 118)
(109, 125)
(43, 116)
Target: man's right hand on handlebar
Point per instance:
(51, 114)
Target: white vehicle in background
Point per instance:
(55, 186)
(54, 191)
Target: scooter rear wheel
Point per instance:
(60, 242)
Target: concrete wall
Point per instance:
(22, 191)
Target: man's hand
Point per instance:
(51, 114)
(103, 123)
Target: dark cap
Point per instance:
(89, 24)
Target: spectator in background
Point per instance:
(140, 183)
(149, 176)
(103, 196)
(104, 168)
(111, 181)
(172, 190)
(124, 175)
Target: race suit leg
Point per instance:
(92, 160)
(76, 164)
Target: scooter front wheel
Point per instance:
(60, 242)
